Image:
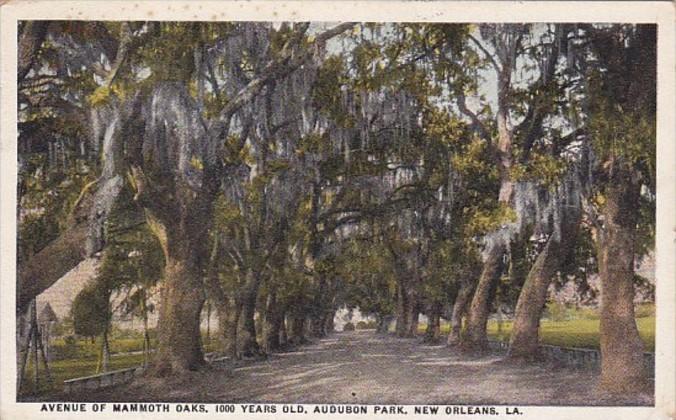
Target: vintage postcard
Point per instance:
(336, 209)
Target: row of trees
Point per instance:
(281, 171)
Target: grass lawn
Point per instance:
(85, 362)
(571, 333)
(62, 370)
(576, 333)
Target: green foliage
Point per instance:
(487, 221)
(627, 136)
(47, 203)
(104, 94)
(369, 277)
(344, 235)
(91, 311)
(326, 93)
(543, 169)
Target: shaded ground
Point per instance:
(361, 367)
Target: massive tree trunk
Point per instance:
(50, 264)
(622, 366)
(524, 339)
(180, 226)
(274, 318)
(82, 238)
(231, 347)
(474, 338)
(247, 343)
(182, 297)
(459, 310)
(226, 310)
(182, 289)
(404, 304)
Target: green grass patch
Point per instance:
(61, 370)
(582, 333)
(83, 348)
(573, 328)
(75, 358)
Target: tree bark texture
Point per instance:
(274, 317)
(433, 323)
(474, 338)
(524, 339)
(404, 310)
(622, 366)
(182, 297)
(247, 343)
(459, 309)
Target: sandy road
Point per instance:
(361, 367)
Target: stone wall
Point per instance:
(574, 357)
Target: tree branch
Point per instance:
(485, 52)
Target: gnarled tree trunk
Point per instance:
(404, 309)
(459, 310)
(413, 317)
(182, 297)
(622, 366)
(274, 318)
(524, 339)
(474, 338)
(231, 348)
(247, 343)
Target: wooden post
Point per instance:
(146, 336)
(34, 343)
(105, 351)
(24, 358)
(44, 356)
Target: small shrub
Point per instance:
(348, 327)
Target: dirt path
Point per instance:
(361, 367)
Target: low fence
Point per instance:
(117, 377)
(573, 356)
(101, 380)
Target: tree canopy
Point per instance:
(284, 170)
